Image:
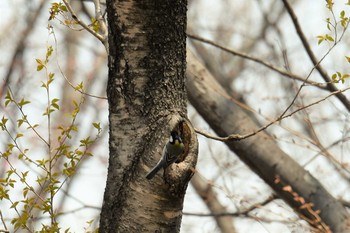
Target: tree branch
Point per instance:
(257, 60)
(102, 38)
(30, 22)
(208, 195)
(330, 86)
(289, 180)
(238, 137)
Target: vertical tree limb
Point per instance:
(147, 99)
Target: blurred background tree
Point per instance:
(289, 77)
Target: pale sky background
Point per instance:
(88, 187)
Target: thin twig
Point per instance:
(330, 86)
(100, 19)
(257, 60)
(81, 23)
(238, 213)
(65, 77)
(237, 137)
(3, 222)
(30, 23)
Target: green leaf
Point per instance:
(13, 206)
(51, 78)
(334, 77)
(329, 38)
(43, 85)
(3, 193)
(328, 20)
(23, 102)
(8, 98)
(90, 222)
(330, 5)
(97, 125)
(345, 76)
(3, 123)
(25, 192)
(347, 58)
(69, 171)
(342, 14)
(40, 64)
(18, 135)
(10, 146)
(54, 104)
(86, 141)
(24, 175)
(42, 162)
(95, 25)
(49, 52)
(344, 22)
(79, 87)
(19, 122)
(63, 8)
(320, 39)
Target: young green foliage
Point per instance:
(332, 25)
(41, 176)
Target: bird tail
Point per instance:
(153, 172)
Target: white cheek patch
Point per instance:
(171, 140)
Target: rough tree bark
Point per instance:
(147, 99)
(289, 180)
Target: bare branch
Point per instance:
(30, 22)
(209, 197)
(3, 223)
(257, 60)
(238, 213)
(289, 180)
(237, 137)
(102, 38)
(66, 78)
(330, 86)
(100, 19)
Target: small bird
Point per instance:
(171, 151)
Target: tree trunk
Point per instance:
(288, 179)
(147, 99)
